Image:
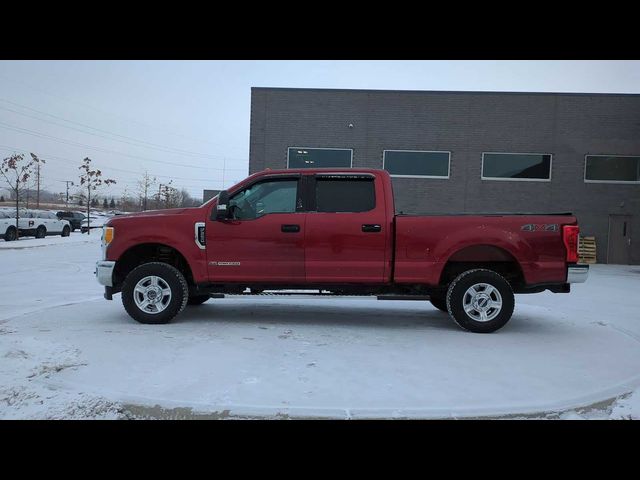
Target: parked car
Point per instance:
(95, 221)
(74, 218)
(40, 224)
(7, 226)
(335, 230)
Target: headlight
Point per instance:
(107, 235)
(107, 238)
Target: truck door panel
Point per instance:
(264, 241)
(346, 230)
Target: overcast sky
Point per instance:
(189, 120)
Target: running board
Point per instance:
(318, 294)
(403, 297)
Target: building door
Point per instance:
(619, 239)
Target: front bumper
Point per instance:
(577, 273)
(104, 272)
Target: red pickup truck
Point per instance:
(334, 231)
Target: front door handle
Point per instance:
(368, 227)
(290, 228)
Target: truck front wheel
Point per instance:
(480, 300)
(154, 292)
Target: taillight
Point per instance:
(570, 236)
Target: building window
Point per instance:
(414, 163)
(611, 169)
(303, 157)
(534, 167)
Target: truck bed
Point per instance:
(425, 244)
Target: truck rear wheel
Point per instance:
(154, 293)
(480, 300)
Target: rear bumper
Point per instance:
(104, 272)
(577, 273)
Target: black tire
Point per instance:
(41, 232)
(171, 276)
(198, 299)
(66, 231)
(457, 296)
(10, 235)
(439, 300)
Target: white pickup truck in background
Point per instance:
(32, 223)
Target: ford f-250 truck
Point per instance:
(335, 231)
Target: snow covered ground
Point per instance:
(65, 352)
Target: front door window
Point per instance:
(272, 196)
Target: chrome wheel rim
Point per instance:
(482, 302)
(152, 294)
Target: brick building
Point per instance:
(471, 152)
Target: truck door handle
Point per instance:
(290, 228)
(368, 227)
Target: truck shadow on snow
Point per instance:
(299, 313)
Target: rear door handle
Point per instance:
(290, 228)
(368, 227)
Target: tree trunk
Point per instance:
(88, 211)
(17, 209)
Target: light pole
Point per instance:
(66, 203)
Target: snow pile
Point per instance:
(33, 362)
(627, 407)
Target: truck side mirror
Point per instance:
(222, 206)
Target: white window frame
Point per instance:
(384, 159)
(623, 182)
(500, 179)
(322, 148)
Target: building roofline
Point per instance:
(435, 92)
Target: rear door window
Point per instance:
(348, 194)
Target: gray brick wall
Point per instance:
(466, 124)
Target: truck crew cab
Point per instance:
(336, 231)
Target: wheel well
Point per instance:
(150, 252)
(483, 256)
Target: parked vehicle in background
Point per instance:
(94, 221)
(8, 226)
(335, 230)
(74, 218)
(39, 224)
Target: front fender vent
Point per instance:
(200, 235)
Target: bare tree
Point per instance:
(125, 201)
(17, 173)
(186, 200)
(144, 187)
(169, 195)
(91, 180)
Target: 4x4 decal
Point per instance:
(540, 227)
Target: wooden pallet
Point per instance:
(587, 250)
